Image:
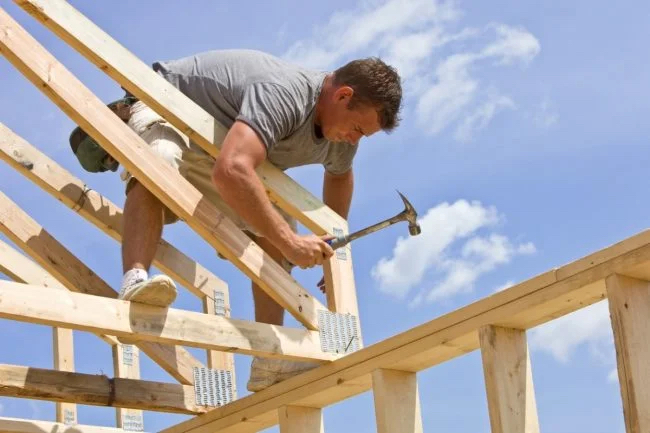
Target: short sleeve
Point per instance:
(270, 110)
(340, 158)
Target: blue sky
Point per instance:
(523, 146)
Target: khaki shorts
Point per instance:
(192, 162)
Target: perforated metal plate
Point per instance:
(338, 332)
(68, 417)
(132, 422)
(219, 303)
(341, 253)
(212, 387)
(127, 354)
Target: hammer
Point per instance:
(408, 214)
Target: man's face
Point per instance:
(342, 124)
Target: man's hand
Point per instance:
(308, 251)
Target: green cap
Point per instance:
(90, 154)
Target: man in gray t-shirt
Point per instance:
(275, 111)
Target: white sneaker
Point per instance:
(159, 291)
(269, 371)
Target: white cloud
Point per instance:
(444, 101)
(440, 64)
(504, 286)
(588, 326)
(431, 262)
(371, 24)
(479, 119)
(512, 44)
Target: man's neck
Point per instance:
(320, 103)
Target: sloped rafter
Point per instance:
(22, 270)
(98, 210)
(105, 215)
(137, 77)
(40, 67)
(76, 276)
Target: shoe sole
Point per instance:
(160, 292)
(258, 385)
(255, 385)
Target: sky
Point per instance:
(523, 146)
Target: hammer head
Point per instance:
(411, 216)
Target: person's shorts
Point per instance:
(192, 162)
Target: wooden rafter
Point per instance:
(77, 277)
(100, 211)
(19, 425)
(96, 390)
(525, 305)
(22, 270)
(50, 76)
(31, 304)
(137, 77)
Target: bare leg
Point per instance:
(266, 309)
(143, 222)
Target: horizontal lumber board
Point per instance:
(19, 425)
(32, 304)
(22, 270)
(350, 375)
(96, 390)
(140, 79)
(77, 277)
(98, 210)
(92, 115)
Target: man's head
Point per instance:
(359, 99)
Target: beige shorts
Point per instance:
(192, 162)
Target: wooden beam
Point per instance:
(98, 210)
(32, 304)
(139, 79)
(77, 277)
(508, 380)
(65, 90)
(629, 306)
(215, 359)
(296, 419)
(126, 364)
(105, 215)
(64, 361)
(22, 270)
(18, 425)
(339, 281)
(96, 390)
(397, 402)
(441, 339)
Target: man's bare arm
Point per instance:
(236, 181)
(337, 192)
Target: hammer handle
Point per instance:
(338, 242)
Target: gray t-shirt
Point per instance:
(275, 98)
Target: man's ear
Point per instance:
(343, 93)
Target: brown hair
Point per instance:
(374, 83)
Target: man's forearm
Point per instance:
(337, 192)
(244, 192)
